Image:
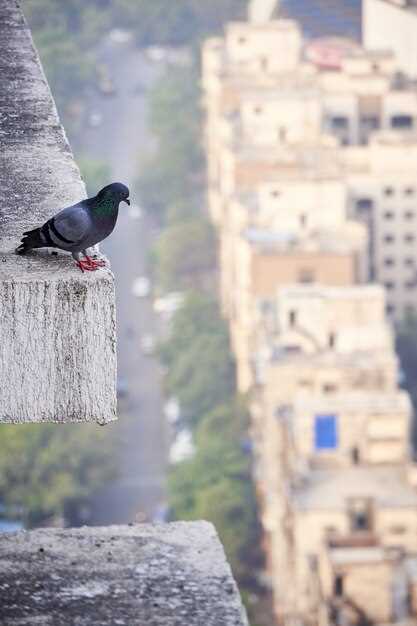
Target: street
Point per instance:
(119, 140)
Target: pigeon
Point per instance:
(79, 226)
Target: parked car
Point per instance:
(118, 35)
(147, 344)
(172, 410)
(168, 304)
(95, 119)
(182, 448)
(141, 287)
(156, 53)
(135, 212)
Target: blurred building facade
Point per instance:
(392, 24)
(312, 162)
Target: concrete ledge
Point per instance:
(143, 575)
(57, 326)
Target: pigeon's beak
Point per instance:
(127, 201)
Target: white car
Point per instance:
(155, 53)
(183, 447)
(95, 119)
(141, 287)
(135, 212)
(172, 410)
(169, 303)
(147, 344)
(117, 35)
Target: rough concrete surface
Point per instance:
(57, 325)
(142, 575)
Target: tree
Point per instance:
(45, 468)
(95, 173)
(185, 255)
(216, 485)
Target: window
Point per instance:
(292, 318)
(242, 40)
(390, 309)
(397, 530)
(338, 585)
(282, 134)
(257, 110)
(388, 191)
(389, 285)
(389, 261)
(303, 220)
(402, 121)
(355, 456)
(360, 515)
(409, 238)
(409, 261)
(306, 276)
(410, 284)
(264, 63)
(389, 215)
(339, 122)
(371, 122)
(389, 238)
(325, 432)
(375, 67)
(409, 215)
(332, 340)
(364, 204)
(275, 193)
(329, 388)
(408, 191)
(292, 349)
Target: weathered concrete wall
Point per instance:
(57, 326)
(143, 575)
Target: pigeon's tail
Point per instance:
(31, 239)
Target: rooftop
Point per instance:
(154, 575)
(375, 402)
(329, 489)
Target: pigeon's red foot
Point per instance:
(85, 266)
(95, 262)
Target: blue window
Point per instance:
(325, 432)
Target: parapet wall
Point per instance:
(143, 575)
(57, 326)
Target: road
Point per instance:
(140, 432)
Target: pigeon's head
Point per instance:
(116, 192)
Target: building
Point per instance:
(329, 109)
(331, 433)
(392, 25)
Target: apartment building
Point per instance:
(335, 482)
(328, 106)
(312, 165)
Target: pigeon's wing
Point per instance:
(70, 227)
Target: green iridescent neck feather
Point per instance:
(107, 206)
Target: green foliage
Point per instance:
(185, 255)
(200, 369)
(46, 468)
(215, 484)
(95, 173)
(175, 171)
